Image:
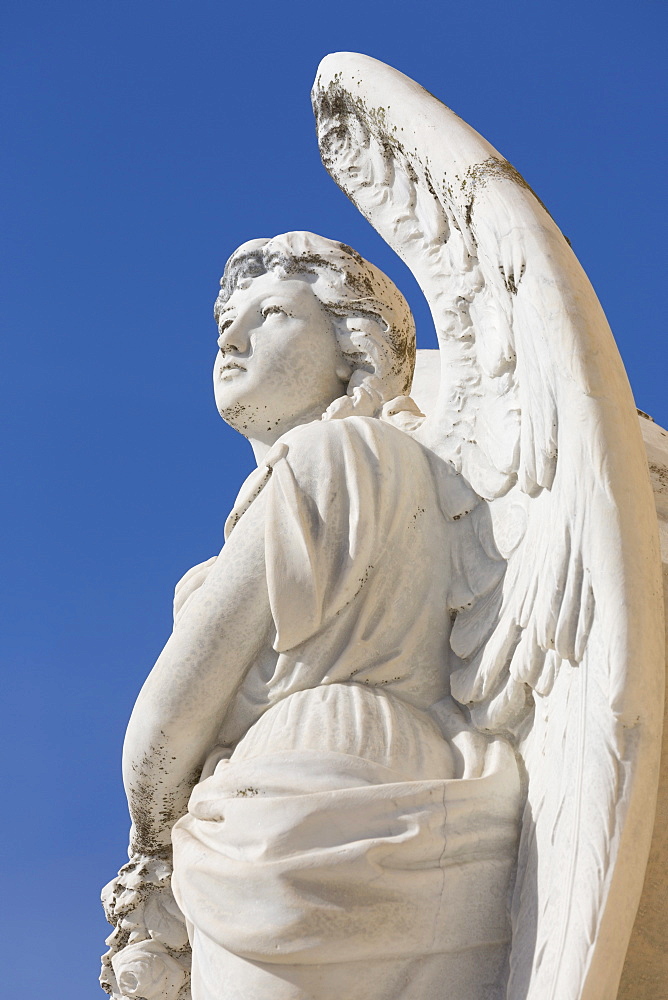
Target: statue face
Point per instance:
(278, 359)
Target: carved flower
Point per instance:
(162, 915)
(145, 970)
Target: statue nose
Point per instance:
(233, 338)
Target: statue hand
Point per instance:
(149, 954)
(189, 583)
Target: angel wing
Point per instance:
(535, 412)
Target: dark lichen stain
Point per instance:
(659, 476)
(149, 827)
(509, 280)
(336, 105)
(495, 167)
(362, 581)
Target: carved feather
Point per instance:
(535, 414)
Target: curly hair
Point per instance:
(372, 320)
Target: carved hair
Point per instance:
(371, 319)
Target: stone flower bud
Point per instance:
(145, 970)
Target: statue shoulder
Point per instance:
(370, 436)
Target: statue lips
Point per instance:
(230, 370)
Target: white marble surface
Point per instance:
(535, 411)
(405, 730)
(645, 975)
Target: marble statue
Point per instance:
(402, 743)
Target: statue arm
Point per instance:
(179, 710)
(189, 583)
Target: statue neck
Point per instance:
(262, 442)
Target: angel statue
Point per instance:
(402, 742)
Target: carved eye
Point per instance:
(268, 310)
(224, 325)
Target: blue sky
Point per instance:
(142, 143)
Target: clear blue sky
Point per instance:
(143, 141)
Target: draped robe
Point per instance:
(334, 850)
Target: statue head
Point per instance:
(372, 352)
